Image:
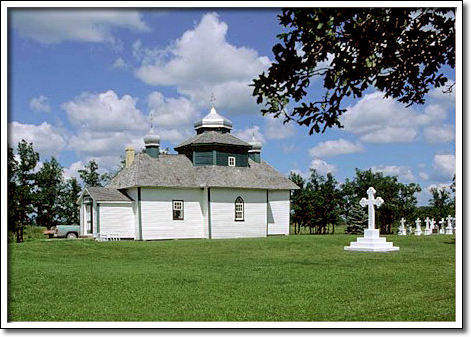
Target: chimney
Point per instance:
(129, 155)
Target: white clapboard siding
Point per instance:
(132, 193)
(223, 224)
(278, 212)
(117, 218)
(157, 213)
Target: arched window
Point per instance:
(239, 209)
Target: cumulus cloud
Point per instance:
(444, 166)
(383, 120)
(404, 174)
(440, 134)
(322, 167)
(91, 25)
(248, 133)
(120, 63)
(40, 104)
(276, 129)
(171, 111)
(334, 148)
(46, 139)
(105, 111)
(72, 170)
(202, 62)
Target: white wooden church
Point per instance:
(216, 187)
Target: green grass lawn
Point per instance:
(295, 278)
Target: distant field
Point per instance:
(295, 278)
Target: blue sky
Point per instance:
(82, 84)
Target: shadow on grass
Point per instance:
(451, 242)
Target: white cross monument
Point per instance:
(432, 225)
(449, 228)
(402, 228)
(418, 230)
(371, 242)
(427, 231)
(442, 226)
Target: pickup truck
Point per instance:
(64, 231)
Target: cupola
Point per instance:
(152, 144)
(213, 122)
(256, 149)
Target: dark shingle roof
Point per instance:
(213, 137)
(106, 194)
(178, 171)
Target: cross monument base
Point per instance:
(371, 242)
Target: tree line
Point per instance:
(43, 197)
(322, 204)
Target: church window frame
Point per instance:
(177, 209)
(231, 161)
(239, 209)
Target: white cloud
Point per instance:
(46, 139)
(105, 111)
(444, 166)
(322, 167)
(390, 135)
(384, 120)
(249, 133)
(334, 148)
(120, 63)
(171, 111)
(403, 173)
(276, 129)
(424, 175)
(90, 25)
(72, 170)
(440, 133)
(40, 104)
(202, 62)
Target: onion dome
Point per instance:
(151, 139)
(256, 146)
(213, 122)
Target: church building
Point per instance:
(216, 187)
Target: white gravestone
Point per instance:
(371, 242)
(449, 228)
(402, 228)
(418, 230)
(432, 225)
(427, 231)
(442, 226)
(409, 229)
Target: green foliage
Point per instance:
(357, 220)
(294, 278)
(90, 175)
(399, 51)
(47, 198)
(400, 200)
(22, 184)
(317, 204)
(442, 204)
(69, 211)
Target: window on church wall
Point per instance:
(177, 208)
(239, 209)
(231, 161)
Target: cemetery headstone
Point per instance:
(433, 228)
(418, 230)
(427, 231)
(371, 242)
(449, 227)
(442, 226)
(402, 228)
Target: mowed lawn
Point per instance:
(295, 278)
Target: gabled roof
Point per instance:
(178, 171)
(104, 194)
(213, 137)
